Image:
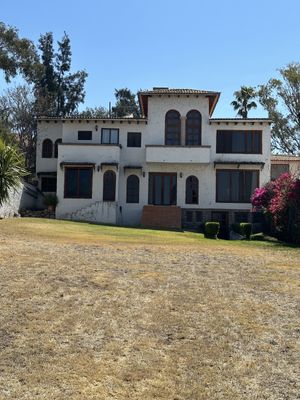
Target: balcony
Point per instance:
(83, 152)
(178, 154)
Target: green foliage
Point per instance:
(11, 169)
(243, 102)
(17, 55)
(211, 230)
(50, 200)
(93, 112)
(126, 104)
(281, 98)
(246, 229)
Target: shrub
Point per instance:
(50, 200)
(212, 229)
(246, 229)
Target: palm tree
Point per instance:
(244, 101)
(11, 169)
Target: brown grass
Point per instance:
(91, 312)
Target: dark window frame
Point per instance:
(190, 124)
(169, 125)
(134, 142)
(190, 188)
(85, 135)
(133, 194)
(230, 183)
(47, 152)
(78, 195)
(173, 175)
(57, 141)
(225, 146)
(110, 129)
(108, 193)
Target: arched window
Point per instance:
(133, 189)
(193, 128)
(47, 148)
(191, 190)
(109, 186)
(172, 128)
(56, 147)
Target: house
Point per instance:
(281, 163)
(175, 166)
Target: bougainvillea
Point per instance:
(280, 199)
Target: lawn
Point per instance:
(99, 312)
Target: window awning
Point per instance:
(76, 164)
(132, 167)
(108, 164)
(54, 173)
(239, 163)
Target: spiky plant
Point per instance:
(11, 170)
(244, 102)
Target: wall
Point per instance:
(22, 198)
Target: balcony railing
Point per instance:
(178, 154)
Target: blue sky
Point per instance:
(214, 45)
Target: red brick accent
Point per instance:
(161, 217)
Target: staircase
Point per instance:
(99, 211)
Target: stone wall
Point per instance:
(23, 198)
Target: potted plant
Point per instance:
(50, 201)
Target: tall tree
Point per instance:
(244, 102)
(58, 91)
(17, 55)
(93, 112)
(11, 170)
(126, 104)
(281, 98)
(17, 108)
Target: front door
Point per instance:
(222, 218)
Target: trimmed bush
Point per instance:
(211, 230)
(246, 229)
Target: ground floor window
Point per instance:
(78, 183)
(236, 186)
(133, 189)
(109, 186)
(162, 188)
(48, 184)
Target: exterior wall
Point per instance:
(22, 198)
(293, 163)
(184, 161)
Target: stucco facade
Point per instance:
(153, 156)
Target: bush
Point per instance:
(212, 229)
(246, 229)
(50, 200)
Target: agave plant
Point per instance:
(244, 101)
(11, 170)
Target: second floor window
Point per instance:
(242, 142)
(109, 136)
(172, 128)
(193, 128)
(134, 139)
(57, 142)
(47, 148)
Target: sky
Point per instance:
(212, 45)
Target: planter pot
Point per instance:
(51, 208)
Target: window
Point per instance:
(191, 219)
(193, 128)
(162, 188)
(78, 183)
(56, 147)
(278, 169)
(134, 139)
(191, 190)
(109, 186)
(109, 136)
(47, 148)
(133, 189)
(48, 184)
(236, 186)
(245, 142)
(85, 135)
(172, 128)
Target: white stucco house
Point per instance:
(176, 166)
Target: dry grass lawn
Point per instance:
(94, 312)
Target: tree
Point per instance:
(17, 55)
(244, 101)
(11, 170)
(281, 98)
(93, 112)
(126, 104)
(58, 92)
(17, 108)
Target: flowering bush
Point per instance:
(280, 199)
